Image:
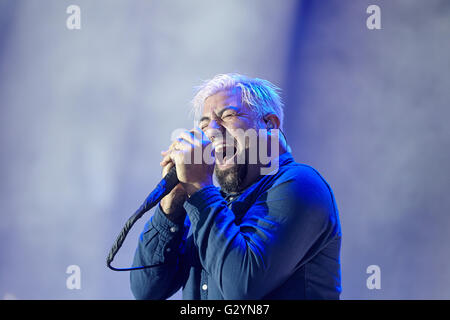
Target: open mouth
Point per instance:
(225, 154)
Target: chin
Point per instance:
(231, 177)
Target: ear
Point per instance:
(272, 121)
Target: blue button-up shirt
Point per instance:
(278, 239)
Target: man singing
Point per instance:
(271, 231)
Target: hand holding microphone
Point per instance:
(193, 172)
(172, 203)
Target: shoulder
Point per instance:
(300, 188)
(299, 177)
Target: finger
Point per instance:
(195, 136)
(206, 142)
(198, 134)
(201, 136)
(167, 168)
(197, 131)
(181, 145)
(189, 137)
(171, 147)
(165, 160)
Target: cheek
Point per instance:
(244, 131)
(243, 138)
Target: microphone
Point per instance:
(166, 185)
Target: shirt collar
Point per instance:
(285, 158)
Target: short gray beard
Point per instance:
(231, 179)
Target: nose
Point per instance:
(214, 130)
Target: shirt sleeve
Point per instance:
(161, 242)
(287, 225)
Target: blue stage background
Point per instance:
(85, 113)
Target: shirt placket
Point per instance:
(204, 285)
(204, 274)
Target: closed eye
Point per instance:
(228, 115)
(225, 114)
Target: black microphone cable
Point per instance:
(162, 189)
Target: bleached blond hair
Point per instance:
(260, 95)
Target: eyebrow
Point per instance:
(220, 113)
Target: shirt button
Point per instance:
(173, 229)
(168, 249)
(204, 287)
